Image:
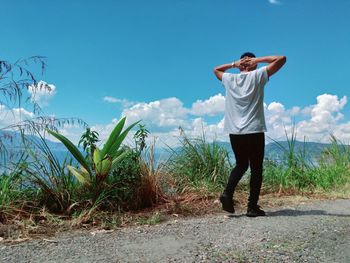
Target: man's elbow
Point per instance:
(215, 71)
(283, 59)
(218, 74)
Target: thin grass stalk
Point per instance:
(46, 172)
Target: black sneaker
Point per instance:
(255, 211)
(227, 203)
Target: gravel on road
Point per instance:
(313, 232)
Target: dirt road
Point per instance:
(312, 232)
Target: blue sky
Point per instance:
(154, 59)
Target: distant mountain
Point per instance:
(274, 151)
(312, 150)
(12, 147)
(12, 139)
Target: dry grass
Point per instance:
(45, 225)
(192, 204)
(149, 192)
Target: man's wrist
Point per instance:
(233, 64)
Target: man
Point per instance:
(245, 122)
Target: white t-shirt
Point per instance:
(244, 106)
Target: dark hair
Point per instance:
(248, 54)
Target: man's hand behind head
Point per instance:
(247, 64)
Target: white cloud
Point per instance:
(163, 118)
(277, 120)
(212, 132)
(274, 2)
(342, 132)
(111, 99)
(11, 116)
(295, 111)
(195, 129)
(125, 103)
(104, 130)
(325, 116)
(42, 93)
(316, 122)
(168, 112)
(213, 106)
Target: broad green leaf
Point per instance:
(84, 170)
(97, 156)
(119, 140)
(72, 148)
(118, 153)
(106, 165)
(113, 136)
(82, 176)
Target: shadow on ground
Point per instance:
(292, 212)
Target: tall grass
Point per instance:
(298, 172)
(199, 164)
(9, 194)
(13, 194)
(334, 166)
(153, 174)
(55, 186)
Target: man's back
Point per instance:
(244, 109)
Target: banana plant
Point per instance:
(104, 160)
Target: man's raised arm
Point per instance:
(275, 63)
(220, 70)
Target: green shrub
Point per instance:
(125, 179)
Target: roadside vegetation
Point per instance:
(94, 188)
(112, 184)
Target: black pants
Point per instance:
(249, 151)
